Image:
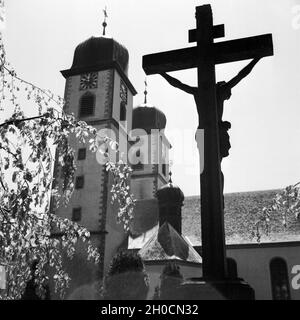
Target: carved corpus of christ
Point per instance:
(223, 92)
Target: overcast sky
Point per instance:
(264, 110)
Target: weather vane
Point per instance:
(145, 92)
(104, 24)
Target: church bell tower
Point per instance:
(99, 92)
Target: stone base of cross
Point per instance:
(204, 57)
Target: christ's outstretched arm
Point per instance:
(242, 74)
(176, 83)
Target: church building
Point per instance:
(166, 225)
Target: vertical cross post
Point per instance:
(212, 216)
(204, 57)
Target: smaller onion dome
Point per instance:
(147, 117)
(170, 200)
(170, 193)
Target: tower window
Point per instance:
(79, 182)
(279, 279)
(123, 91)
(122, 111)
(139, 165)
(87, 105)
(76, 214)
(81, 154)
(164, 169)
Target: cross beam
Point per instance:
(204, 57)
(223, 52)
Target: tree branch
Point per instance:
(17, 121)
(13, 74)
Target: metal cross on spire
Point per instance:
(104, 24)
(145, 92)
(170, 171)
(170, 177)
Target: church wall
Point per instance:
(73, 95)
(161, 182)
(154, 271)
(254, 266)
(88, 198)
(84, 284)
(116, 234)
(143, 188)
(147, 169)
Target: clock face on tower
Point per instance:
(88, 81)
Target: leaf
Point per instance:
(14, 176)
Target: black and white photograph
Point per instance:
(149, 151)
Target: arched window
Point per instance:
(87, 105)
(279, 279)
(139, 165)
(232, 268)
(122, 111)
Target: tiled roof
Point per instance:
(241, 212)
(167, 244)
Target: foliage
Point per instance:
(286, 203)
(27, 147)
(126, 278)
(125, 261)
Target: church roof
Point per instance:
(148, 117)
(241, 212)
(167, 244)
(100, 53)
(170, 192)
(100, 50)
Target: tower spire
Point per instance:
(170, 177)
(104, 24)
(145, 92)
(170, 171)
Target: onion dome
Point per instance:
(170, 200)
(170, 193)
(100, 51)
(147, 118)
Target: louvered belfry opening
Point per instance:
(87, 105)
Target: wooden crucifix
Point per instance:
(204, 57)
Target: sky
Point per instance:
(264, 110)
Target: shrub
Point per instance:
(126, 278)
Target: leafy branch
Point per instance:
(286, 203)
(28, 189)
